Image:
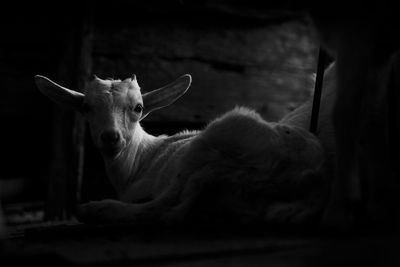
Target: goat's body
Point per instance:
(260, 175)
(267, 172)
(158, 167)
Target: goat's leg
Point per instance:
(115, 211)
(191, 186)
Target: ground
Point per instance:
(75, 244)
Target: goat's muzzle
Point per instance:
(110, 142)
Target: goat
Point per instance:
(239, 169)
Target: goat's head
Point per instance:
(113, 108)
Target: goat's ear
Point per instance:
(59, 94)
(166, 95)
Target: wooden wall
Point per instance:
(27, 47)
(233, 61)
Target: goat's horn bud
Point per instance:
(94, 77)
(133, 77)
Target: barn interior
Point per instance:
(263, 58)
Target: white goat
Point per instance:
(239, 169)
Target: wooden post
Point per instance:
(84, 71)
(318, 90)
(62, 122)
(75, 66)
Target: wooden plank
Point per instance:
(84, 71)
(68, 127)
(62, 122)
(267, 68)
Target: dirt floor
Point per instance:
(75, 244)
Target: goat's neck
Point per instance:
(122, 168)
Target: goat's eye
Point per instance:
(138, 108)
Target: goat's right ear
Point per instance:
(59, 94)
(166, 95)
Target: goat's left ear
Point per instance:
(59, 94)
(166, 95)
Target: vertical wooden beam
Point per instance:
(84, 71)
(322, 58)
(62, 122)
(75, 66)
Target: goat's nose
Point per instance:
(110, 137)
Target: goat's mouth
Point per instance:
(110, 150)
